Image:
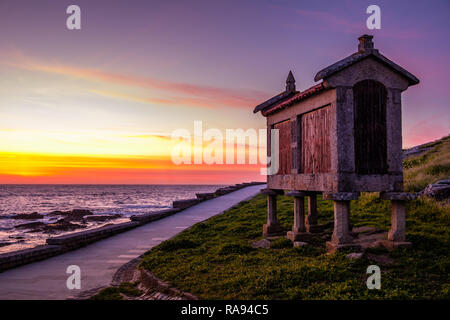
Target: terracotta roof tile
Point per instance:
(296, 98)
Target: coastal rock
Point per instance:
(55, 213)
(263, 243)
(30, 225)
(61, 225)
(439, 190)
(354, 255)
(416, 151)
(8, 243)
(28, 216)
(73, 215)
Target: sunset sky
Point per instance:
(98, 105)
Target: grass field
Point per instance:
(214, 259)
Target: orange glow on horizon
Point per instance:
(26, 168)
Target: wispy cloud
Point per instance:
(192, 102)
(188, 94)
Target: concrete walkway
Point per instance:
(99, 261)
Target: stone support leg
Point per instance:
(341, 233)
(397, 233)
(298, 232)
(272, 227)
(311, 219)
(299, 215)
(341, 237)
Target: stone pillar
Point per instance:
(299, 214)
(341, 233)
(298, 232)
(273, 226)
(311, 220)
(397, 232)
(341, 237)
(398, 223)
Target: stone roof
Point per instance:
(365, 50)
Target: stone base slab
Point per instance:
(332, 247)
(298, 236)
(272, 230)
(392, 245)
(299, 244)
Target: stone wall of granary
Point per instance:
(344, 81)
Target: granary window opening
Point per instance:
(369, 100)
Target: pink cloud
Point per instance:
(424, 131)
(190, 94)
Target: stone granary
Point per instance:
(340, 137)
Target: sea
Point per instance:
(125, 200)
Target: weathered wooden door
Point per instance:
(369, 100)
(285, 153)
(315, 137)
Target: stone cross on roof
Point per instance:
(290, 82)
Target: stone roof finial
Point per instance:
(365, 43)
(290, 82)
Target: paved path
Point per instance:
(99, 261)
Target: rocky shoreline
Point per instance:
(64, 220)
(61, 223)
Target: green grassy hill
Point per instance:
(428, 167)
